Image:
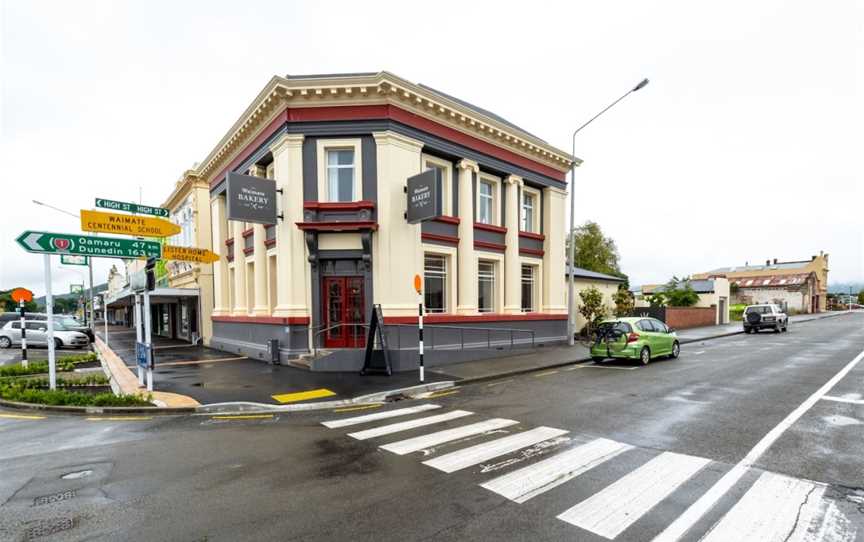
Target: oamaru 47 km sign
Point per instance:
(87, 245)
(139, 226)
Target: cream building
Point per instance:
(339, 149)
(607, 285)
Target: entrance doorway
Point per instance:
(342, 307)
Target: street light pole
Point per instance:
(571, 271)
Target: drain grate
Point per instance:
(396, 397)
(55, 498)
(47, 527)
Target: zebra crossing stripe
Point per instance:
(345, 422)
(609, 512)
(771, 510)
(474, 455)
(433, 439)
(410, 424)
(527, 482)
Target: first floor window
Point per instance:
(486, 287)
(435, 283)
(528, 290)
(340, 175)
(527, 211)
(485, 211)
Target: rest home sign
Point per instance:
(424, 202)
(251, 199)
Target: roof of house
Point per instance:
(760, 267)
(700, 286)
(771, 281)
(582, 273)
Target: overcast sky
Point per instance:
(746, 145)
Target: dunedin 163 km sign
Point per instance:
(87, 245)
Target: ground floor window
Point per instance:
(529, 291)
(435, 283)
(486, 286)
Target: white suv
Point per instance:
(768, 316)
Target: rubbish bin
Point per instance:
(273, 351)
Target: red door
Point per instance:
(343, 312)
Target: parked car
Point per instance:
(766, 316)
(634, 338)
(72, 324)
(37, 333)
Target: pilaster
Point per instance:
(554, 270)
(512, 267)
(240, 308)
(219, 225)
(467, 262)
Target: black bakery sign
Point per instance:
(423, 200)
(251, 199)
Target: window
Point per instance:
(529, 211)
(486, 287)
(485, 202)
(340, 175)
(444, 170)
(659, 326)
(645, 325)
(528, 288)
(435, 283)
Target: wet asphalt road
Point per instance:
(286, 477)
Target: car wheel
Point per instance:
(5, 342)
(778, 328)
(786, 326)
(676, 350)
(58, 344)
(748, 331)
(645, 355)
(597, 359)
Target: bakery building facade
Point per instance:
(339, 150)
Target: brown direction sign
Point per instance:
(189, 254)
(139, 226)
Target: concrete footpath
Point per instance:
(188, 375)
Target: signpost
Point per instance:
(424, 202)
(22, 296)
(136, 226)
(73, 259)
(87, 245)
(132, 208)
(251, 199)
(76, 288)
(189, 254)
(418, 286)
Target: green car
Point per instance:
(639, 338)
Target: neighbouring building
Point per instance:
(800, 286)
(713, 294)
(339, 149)
(607, 285)
(182, 302)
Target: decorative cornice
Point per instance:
(469, 165)
(283, 93)
(514, 179)
(399, 140)
(286, 141)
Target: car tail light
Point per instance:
(632, 337)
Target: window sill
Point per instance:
(489, 227)
(338, 205)
(532, 235)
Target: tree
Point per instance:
(861, 297)
(656, 299)
(594, 251)
(624, 302)
(7, 304)
(592, 307)
(679, 293)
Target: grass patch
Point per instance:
(76, 381)
(40, 366)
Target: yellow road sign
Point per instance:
(139, 226)
(189, 254)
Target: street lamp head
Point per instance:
(641, 84)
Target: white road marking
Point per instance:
(410, 424)
(694, 513)
(530, 481)
(600, 366)
(483, 452)
(611, 511)
(345, 422)
(769, 511)
(843, 400)
(433, 439)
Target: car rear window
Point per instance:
(759, 310)
(622, 327)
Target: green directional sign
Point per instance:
(88, 245)
(74, 259)
(131, 207)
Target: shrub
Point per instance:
(592, 307)
(40, 366)
(14, 392)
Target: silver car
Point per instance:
(37, 333)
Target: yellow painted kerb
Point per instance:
(303, 395)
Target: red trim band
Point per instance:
(532, 235)
(447, 219)
(532, 252)
(459, 318)
(269, 243)
(229, 241)
(338, 226)
(296, 320)
(338, 205)
(490, 246)
(489, 227)
(248, 251)
(248, 233)
(439, 238)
